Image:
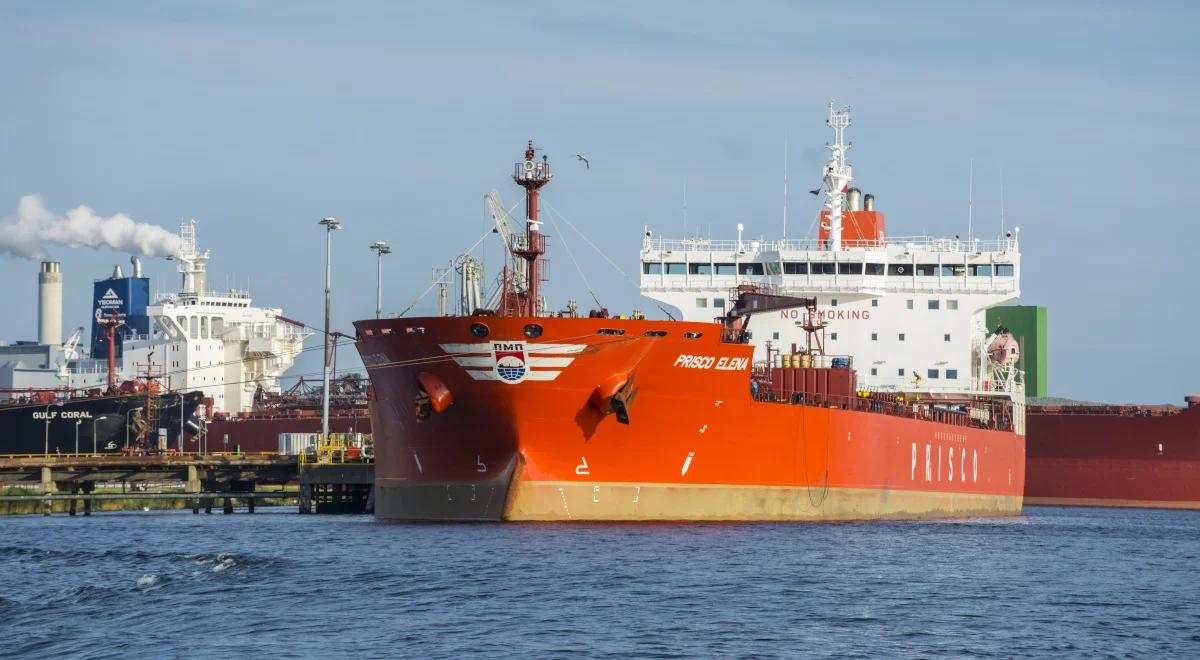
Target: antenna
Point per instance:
(685, 206)
(970, 199)
(1002, 228)
(785, 182)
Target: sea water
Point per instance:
(1053, 582)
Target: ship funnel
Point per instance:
(137, 266)
(50, 303)
(854, 199)
(868, 202)
(117, 272)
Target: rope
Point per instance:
(586, 239)
(562, 237)
(443, 277)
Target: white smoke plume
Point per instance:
(34, 228)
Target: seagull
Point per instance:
(815, 192)
(585, 161)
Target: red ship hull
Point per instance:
(1113, 456)
(520, 435)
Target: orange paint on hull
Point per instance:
(506, 450)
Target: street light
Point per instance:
(381, 249)
(46, 450)
(77, 423)
(94, 422)
(331, 225)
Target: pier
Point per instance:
(204, 481)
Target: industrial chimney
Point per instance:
(50, 304)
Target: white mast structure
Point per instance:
(838, 175)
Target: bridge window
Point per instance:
(702, 302)
(980, 270)
(676, 268)
(822, 268)
(795, 268)
(700, 269)
(850, 269)
(1004, 270)
(874, 269)
(899, 269)
(934, 304)
(725, 269)
(952, 374)
(932, 373)
(750, 269)
(719, 303)
(954, 270)
(652, 268)
(927, 270)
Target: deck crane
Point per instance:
(508, 229)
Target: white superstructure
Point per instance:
(217, 342)
(910, 310)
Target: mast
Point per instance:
(110, 324)
(838, 174)
(531, 176)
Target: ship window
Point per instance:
(750, 269)
(532, 330)
(726, 269)
(693, 335)
(369, 332)
(204, 327)
(908, 303)
(900, 372)
(946, 336)
(822, 268)
(833, 302)
(926, 270)
(700, 269)
(702, 302)
(795, 268)
(901, 336)
(773, 268)
(952, 304)
(875, 269)
(719, 303)
(774, 335)
(610, 331)
(934, 304)
(218, 327)
(194, 327)
(980, 270)
(952, 373)
(932, 373)
(954, 270)
(874, 336)
(1004, 270)
(479, 330)
(655, 333)
(676, 268)
(899, 269)
(850, 269)
(874, 302)
(385, 331)
(652, 268)
(874, 371)
(833, 336)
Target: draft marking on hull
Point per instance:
(582, 468)
(687, 463)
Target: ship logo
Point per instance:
(510, 361)
(513, 362)
(110, 295)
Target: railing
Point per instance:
(923, 243)
(995, 414)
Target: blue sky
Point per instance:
(260, 118)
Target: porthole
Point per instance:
(610, 331)
(533, 330)
(479, 330)
(655, 333)
(693, 335)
